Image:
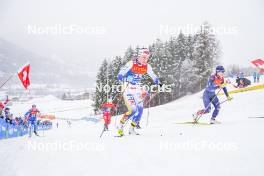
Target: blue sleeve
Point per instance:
(124, 70)
(27, 114)
(225, 91)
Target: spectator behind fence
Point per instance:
(241, 75)
(255, 77)
(2, 107)
(1, 110)
(258, 76)
(7, 115)
(19, 121)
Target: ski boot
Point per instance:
(132, 129)
(35, 132)
(213, 121)
(120, 132)
(106, 127)
(138, 126)
(120, 128)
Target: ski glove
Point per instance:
(229, 98)
(223, 85)
(120, 77)
(156, 81)
(144, 94)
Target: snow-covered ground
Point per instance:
(54, 106)
(234, 147)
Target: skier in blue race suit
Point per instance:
(215, 82)
(31, 118)
(132, 73)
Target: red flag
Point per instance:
(2, 105)
(259, 63)
(23, 75)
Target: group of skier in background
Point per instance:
(134, 94)
(29, 120)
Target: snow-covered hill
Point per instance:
(234, 147)
(53, 106)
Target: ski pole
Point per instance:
(223, 101)
(148, 116)
(102, 132)
(43, 129)
(148, 102)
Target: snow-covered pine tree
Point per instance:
(180, 56)
(129, 54)
(205, 54)
(189, 80)
(101, 80)
(158, 61)
(172, 61)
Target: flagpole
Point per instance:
(10, 77)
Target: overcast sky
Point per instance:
(113, 25)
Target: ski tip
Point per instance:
(119, 136)
(191, 123)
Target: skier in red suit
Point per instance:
(106, 108)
